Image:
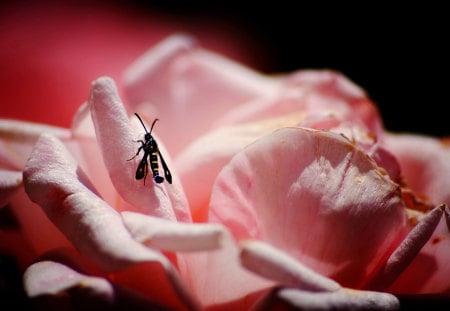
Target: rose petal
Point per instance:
(278, 186)
(10, 181)
(207, 155)
(83, 292)
(271, 263)
(428, 272)
(53, 180)
(172, 236)
(424, 176)
(408, 249)
(225, 280)
(82, 125)
(17, 139)
(117, 143)
(176, 79)
(330, 89)
(343, 299)
(49, 277)
(312, 92)
(86, 151)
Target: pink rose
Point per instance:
(286, 192)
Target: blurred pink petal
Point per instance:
(425, 172)
(72, 289)
(269, 262)
(315, 92)
(278, 186)
(388, 161)
(46, 51)
(10, 181)
(117, 143)
(48, 277)
(343, 299)
(18, 137)
(173, 236)
(188, 88)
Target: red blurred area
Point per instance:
(50, 52)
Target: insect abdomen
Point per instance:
(155, 167)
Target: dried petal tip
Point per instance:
(447, 215)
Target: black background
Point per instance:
(398, 54)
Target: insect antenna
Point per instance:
(142, 122)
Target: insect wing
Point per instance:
(165, 168)
(142, 169)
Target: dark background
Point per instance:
(399, 55)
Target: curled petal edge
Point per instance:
(173, 236)
(342, 299)
(405, 253)
(269, 262)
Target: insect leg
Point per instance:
(139, 149)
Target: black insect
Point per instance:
(151, 151)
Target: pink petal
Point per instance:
(425, 164)
(207, 155)
(218, 278)
(81, 292)
(343, 299)
(10, 181)
(312, 92)
(271, 263)
(176, 79)
(388, 161)
(52, 278)
(330, 89)
(86, 151)
(117, 143)
(277, 187)
(408, 249)
(82, 125)
(17, 139)
(172, 236)
(428, 272)
(53, 180)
